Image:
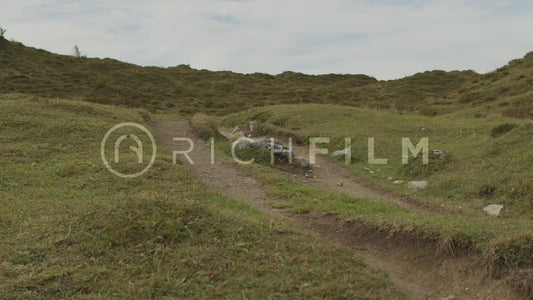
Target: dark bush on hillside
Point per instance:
(502, 129)
(523, 112)
(476, 98)
(486, 191)
(427, 111)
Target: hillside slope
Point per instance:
(38, 72)
(186, 90)
(507, 91)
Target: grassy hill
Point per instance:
(186, 90)
(69, 228)
(507, 91)
(38, 72)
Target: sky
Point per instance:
(385, 39)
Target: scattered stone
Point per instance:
(423, 128)
(390, 178)
(237, 128)
(241, 134)
(371, 172)
(493, 209)
(281, 152)
(340, 183)
(341, 154)
(439, 154)
(301, 162)
(253, 127)
(417, 185)
(398, 182)
(366, 169)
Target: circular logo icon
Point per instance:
(136, 149)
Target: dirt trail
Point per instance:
(414, 266)
(332, 176)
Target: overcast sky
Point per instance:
(386, 39)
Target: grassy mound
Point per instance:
(69, 228)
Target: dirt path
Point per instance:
(329, 175)
(415, 268)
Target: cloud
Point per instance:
(386, 39)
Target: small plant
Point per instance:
(416, 169)
(502, 129)
(486, 191)
(76, 51)
(2, 31)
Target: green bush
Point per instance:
(502, 129)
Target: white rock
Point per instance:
(253, 126)
(301, 161)
(493, 209)
(417, 185)
(390, 178)
(440, 154)
(398, 181)
(341, 154)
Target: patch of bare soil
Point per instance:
(414, 265)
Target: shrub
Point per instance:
(476, 98)
(523, 112)
(427, 111)
(416, 169)
(502, 129)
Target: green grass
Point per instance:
(504, 243)
(476, 159)
(481, 168)
(69, 228)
